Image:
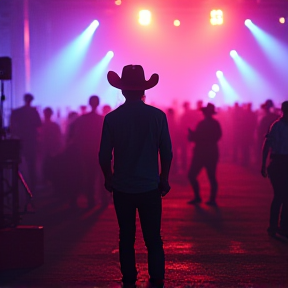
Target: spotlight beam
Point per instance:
(230, 95)
(274, 49)
(257, 84)
(58, 75)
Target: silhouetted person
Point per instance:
(237, 132)
(51, 142)
(135, 134)
(206, 153)
(67, 171)
(85, 135)
(249, 127)
(83, 110)
(263, 126)
(25, 123)
(185, 121)
(276, 144)
(72, 116)
(106, 109)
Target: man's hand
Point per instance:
(264, 171)
(164, 187)
(108, 185)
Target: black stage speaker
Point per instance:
(5, 68)
(10, 151)
(21, 247)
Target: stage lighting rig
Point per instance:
(216, 17)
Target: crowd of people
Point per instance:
(63, 160)
(243, 132)
(63, 152)
(128, 140)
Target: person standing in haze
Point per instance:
(186, 119)
(206, 153)
(85, 135)
(276, 144)
(25, 123)
(135, 134)
(51, 143)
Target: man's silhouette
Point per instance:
(276, 143)
(51, 143)
(135, 134)
(85, 135)
(206, 153)
(25, 123)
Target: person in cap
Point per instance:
(276, 145)
(136, 134)
(206, 153)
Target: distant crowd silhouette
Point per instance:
(129, 151)
(63, 152)
(63, 158)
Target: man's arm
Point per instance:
(105, 155)
(267, 144)
(166, 155)
(265, 152)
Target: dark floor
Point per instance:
(205, 247)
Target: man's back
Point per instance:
(137, 132)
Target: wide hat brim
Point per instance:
(209, 109)
(131, 81)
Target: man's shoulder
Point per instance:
(280, 122)
(154, 109)
(18, 110)
(123, 109)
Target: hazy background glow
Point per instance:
(69, 60)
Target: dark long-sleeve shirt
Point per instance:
(206, 136)
(136, 134)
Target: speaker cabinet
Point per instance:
(21, 247)
(5, 68)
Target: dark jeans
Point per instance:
(278, 174)
(209, 162)
(149, 205)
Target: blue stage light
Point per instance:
(215, 88)
(219, 74)
(233, 53)
(212, 94)
(248, 22)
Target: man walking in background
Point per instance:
(206, 154)
(135, 133)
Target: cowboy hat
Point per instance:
(209, 109)
(132, 78)
(268, 104)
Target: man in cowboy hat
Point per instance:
(206, 153)
(134, 134)
(276, 144)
